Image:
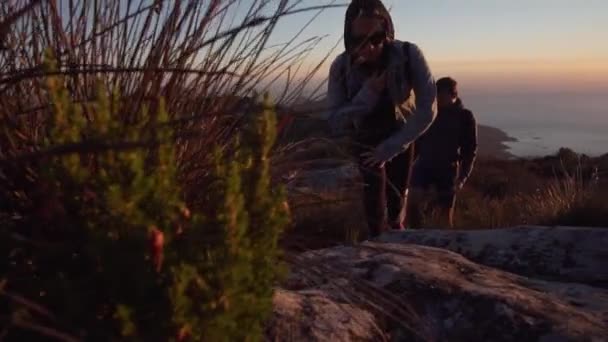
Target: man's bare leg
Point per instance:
(445, 203)
(414, 208)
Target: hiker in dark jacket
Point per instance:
(369, 92)
(445, 154)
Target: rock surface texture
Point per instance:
(404, 288)
(568, 254)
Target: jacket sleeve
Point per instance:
(425, 111)
(344, 114)
(468, 145)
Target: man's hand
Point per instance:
(460, 184)
(370, 159)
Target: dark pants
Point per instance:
(441, 178)
(384, 191)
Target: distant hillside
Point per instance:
(492, 142)
(311, 122)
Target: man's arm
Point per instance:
(346, 114)
(468, 146)
(425, 92)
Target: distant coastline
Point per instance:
(492, 143)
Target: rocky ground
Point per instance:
(520, 284)
(528, 283)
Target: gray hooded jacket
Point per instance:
(351, 100)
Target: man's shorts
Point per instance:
(442, 179)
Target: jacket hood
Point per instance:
(358, 7)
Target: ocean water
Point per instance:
(542, 123)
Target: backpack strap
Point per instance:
(408, 72)
(343, 76)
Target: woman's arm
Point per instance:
(346, 114)
(425, 93)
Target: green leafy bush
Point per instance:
(97, 240)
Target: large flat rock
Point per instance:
(567, 254)
(404, 292)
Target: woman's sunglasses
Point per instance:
(375, 39)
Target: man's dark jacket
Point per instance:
(451, 138)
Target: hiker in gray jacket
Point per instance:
(445, 155)
(382, 94)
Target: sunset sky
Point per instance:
(556, 45)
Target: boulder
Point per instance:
(329, 180)
(311, 315)
(567, 254)
(405, 292)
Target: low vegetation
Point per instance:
(563, 189)
(99, 235)
(141, 191)
(136, 195)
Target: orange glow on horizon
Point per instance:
(554, 75)
(549, 75)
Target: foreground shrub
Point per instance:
(98, 243)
